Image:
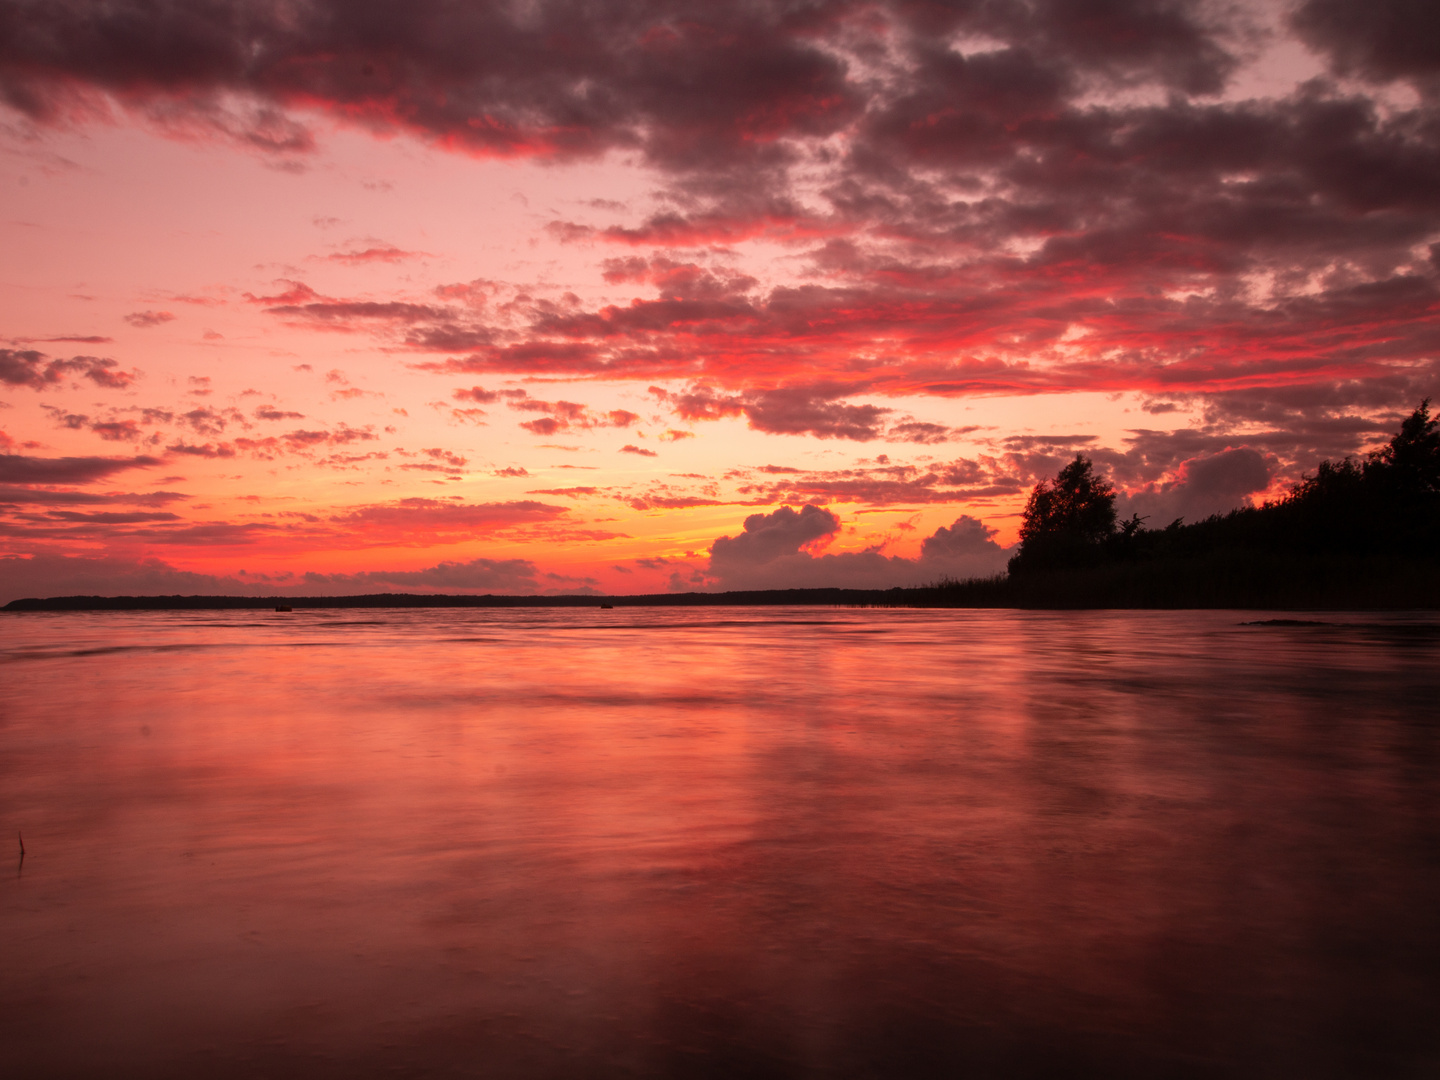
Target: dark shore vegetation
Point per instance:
(1359, 533)
(1356, 534)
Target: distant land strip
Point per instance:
(1240, 580)
(772, 597)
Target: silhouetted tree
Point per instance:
(1361, 531)
(1066, 519)
(1387, 503)
(1411, 460)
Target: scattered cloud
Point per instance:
(143, 320)
(379, 252)
(22, 469)
(50, 497)
(38, 372)
(562, 416)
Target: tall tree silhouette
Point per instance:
(1066, 519)
(1388, 502)
(1412, 457)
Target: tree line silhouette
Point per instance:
(1362, 532)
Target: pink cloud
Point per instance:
(143, 320)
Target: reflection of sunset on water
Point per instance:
(679, 842)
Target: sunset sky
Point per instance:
(311, 296)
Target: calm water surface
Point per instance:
(719, 842)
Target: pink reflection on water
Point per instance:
(721, 842)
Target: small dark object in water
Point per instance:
(284, 609)
(22, 843)
(607, 607)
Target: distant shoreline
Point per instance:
(1253, 584)
(765, 598)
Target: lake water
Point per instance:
(719, 842)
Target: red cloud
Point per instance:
(386, 253)
(426, 521)
(979, 198)
(564, 415)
